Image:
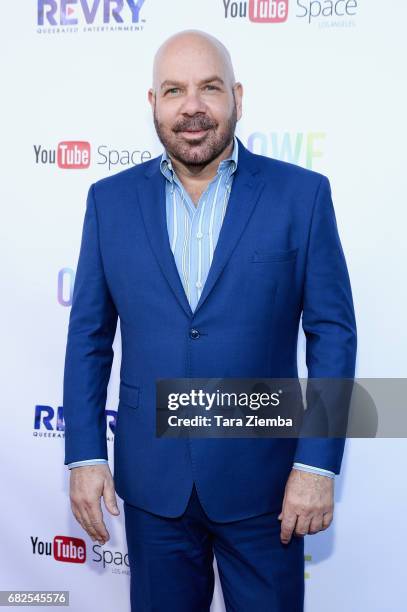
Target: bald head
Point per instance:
(195, 99)
(201, 48)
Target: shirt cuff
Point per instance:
(86, 462)
(313, 469)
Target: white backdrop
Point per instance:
(326, 91)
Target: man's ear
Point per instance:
(238, 91)
(151, 97)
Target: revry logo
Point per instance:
(64, 13)
(45, 418)
(44, 415)
(73, 154)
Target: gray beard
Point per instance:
(198, 156)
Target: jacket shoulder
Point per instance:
(273, 169)
(125, 178)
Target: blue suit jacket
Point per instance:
(278, 256)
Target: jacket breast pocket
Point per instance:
(129, 395)
(260, 256)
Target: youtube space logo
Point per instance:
(258, 11)
(62, 548)
(68, 155)
(268, 11)
(79, 154)
(69, 549)
(73, 154)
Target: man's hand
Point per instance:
(308, 504)
(87, 484)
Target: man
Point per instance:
(209, 255)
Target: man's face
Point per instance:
(195, 107)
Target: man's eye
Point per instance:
(212, 86)
(172, 90)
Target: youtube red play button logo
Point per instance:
(69, 549)
(73, 154)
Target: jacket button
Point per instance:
(194, 333)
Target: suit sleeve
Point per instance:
(89, 352)
(328, 321)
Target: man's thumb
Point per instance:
(109, 498)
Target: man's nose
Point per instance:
(193, 103)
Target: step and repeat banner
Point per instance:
(324, 88)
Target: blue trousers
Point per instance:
(171, 562)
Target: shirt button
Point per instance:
(198, 284)
(199, 235)
(194, 333)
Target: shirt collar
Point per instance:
(231, 161)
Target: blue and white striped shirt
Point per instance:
(193, 232)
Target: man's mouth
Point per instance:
(193, 133)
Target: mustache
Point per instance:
(194, 124)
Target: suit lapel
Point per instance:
(246, 188)
(151, 195)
